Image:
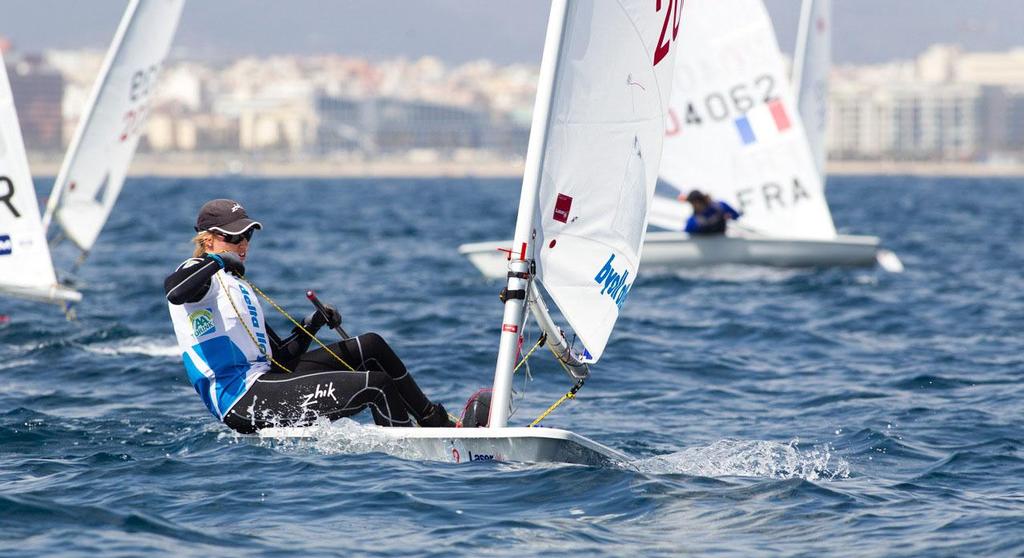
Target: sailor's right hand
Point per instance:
(230, 262)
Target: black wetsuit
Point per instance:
(317, 384)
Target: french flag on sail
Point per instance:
(766, 121)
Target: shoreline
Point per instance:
(198, 166)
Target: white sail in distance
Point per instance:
(733, 128)
(26, 269)
(599, 164)
(811, 65)
(101, 151)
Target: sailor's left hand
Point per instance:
(333, 316)
(317, 319)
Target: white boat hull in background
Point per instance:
(676, 250)
(55, 294)
(462, 445)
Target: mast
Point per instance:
(811, 62)
(803, 35)
(512, 322)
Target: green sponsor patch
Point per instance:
(202, 322)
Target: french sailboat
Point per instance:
(733, 132)
(97, 161)
(26, 269)
(591, 168)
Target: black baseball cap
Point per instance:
(224, 216)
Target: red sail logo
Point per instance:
(562, 206)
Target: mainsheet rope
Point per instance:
(571, 394)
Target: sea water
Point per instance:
(817, 411)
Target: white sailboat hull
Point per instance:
(676, 250)
(465, 445)
(673, 249)
(56, 294)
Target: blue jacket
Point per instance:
(712, 219)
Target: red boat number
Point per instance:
(672, 9)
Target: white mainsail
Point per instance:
(601, 160)
(733, 130)
(95, 166)
(592, 164)
(811, 66)
(26, 269)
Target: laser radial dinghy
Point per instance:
(591, 166)
(95, 166)
(26, 270)
(733, 132)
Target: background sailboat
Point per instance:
(26, 270)
(595, 145)
(734, 131)
(94, 169)
(811, 64)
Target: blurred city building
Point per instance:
(945, 105)
(38, 90)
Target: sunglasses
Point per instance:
(237, 238)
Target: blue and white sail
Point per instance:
(733, 128)
(26, 269)
(811, 65)
(94, 169)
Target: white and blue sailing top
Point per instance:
(221, 357)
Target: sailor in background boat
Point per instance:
(249, 377)
(709, 216)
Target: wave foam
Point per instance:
(341, 437)
(751, 458)
(139, 346)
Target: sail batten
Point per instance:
(95, 167)
(734, 129)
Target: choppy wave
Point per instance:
(137, 346)
(751, 458)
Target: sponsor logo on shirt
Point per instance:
(6, 246)
(261, 337)
(202, 323)
(613, 283)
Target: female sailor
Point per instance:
(251, 378)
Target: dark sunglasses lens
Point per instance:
(238, 238)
